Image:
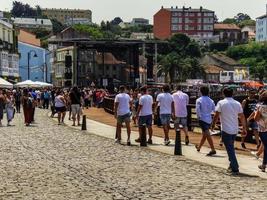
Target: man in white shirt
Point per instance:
(122, 114)
(181, 100)
(144, 113)
(165, 100)
(229, 111)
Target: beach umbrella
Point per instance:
(43, 84)
(5, 84)
(27, 83)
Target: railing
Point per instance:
(192, 121)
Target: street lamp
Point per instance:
(29, 56)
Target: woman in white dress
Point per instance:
(9, 107)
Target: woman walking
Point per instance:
(261, 118)
(9, 107)
(60, 105)
(27, 104)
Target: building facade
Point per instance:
(261, 28)
(9, 58)
(140, 22)
(33, 23)
(65, 15)
(192, 22)
(228, 33)
(39, 65)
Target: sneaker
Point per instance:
(117, 141)
(198, 150)
(262, 167)
(186, 140)
(243, 145)
(149, 141)
(137, 140)
(211, 153)
(254, 153)
(128, 142)
(167, 142)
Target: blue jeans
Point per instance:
(263, 136)
(229, 141)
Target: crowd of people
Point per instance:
(140, 106)
(59, 100)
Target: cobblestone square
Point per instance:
(47, 161)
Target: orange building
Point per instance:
(29, 38)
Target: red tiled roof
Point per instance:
(226, 27)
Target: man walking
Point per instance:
(181, 100)
(165, 100)
(122, 113)
(229, 111)
(76, 102)
(204, 107)
(144, 113)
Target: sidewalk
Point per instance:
(248, 164)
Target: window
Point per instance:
(207, 27)
(175, 20)
(199, 20)
(174, 14)
(186, 27)
(174, 27)
(199, 14)
(199, 27)
(191, 14)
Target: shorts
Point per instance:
(124, 118)
(145, 120)
(253, 125)
(204, 125)
(61, 109)
(165, 119)
(76, 109)
(181, 121)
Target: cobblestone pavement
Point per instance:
(48, 161)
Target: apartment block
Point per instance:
(66, 15)
(189, 21)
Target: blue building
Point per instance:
(34, 63)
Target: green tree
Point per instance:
(180, 60)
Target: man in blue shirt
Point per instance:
(204, 107)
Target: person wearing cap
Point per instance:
(249, 105)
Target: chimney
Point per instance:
(171, 7)
(176, 7)
(183, 8)
(201, 8)
(190, 8)
(162, 7)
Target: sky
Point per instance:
(128, 9)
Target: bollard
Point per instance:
(84, 123)
(143, 142)
(178, 145)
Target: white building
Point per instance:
(9, 59)
(261, 28)
(72, 21)
(33, 23)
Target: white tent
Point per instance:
(43, 84)
(27, 83)
(5, 84)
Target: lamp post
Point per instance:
(29, 56)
